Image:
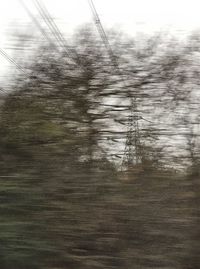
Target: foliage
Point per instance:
(64, 203)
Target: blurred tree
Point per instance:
(61, 203)
(51, 164)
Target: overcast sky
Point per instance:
(132, 16)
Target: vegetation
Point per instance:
(66, 200)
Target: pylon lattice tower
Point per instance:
(132, 151)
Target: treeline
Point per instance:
(66, 199)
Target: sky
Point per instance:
(130, 16)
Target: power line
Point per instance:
(106, 42)
(53, 28)
(36, 23)
(11, 60)
(50, 23)
(47, 19)
(103, 35)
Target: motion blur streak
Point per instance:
(100, 152)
